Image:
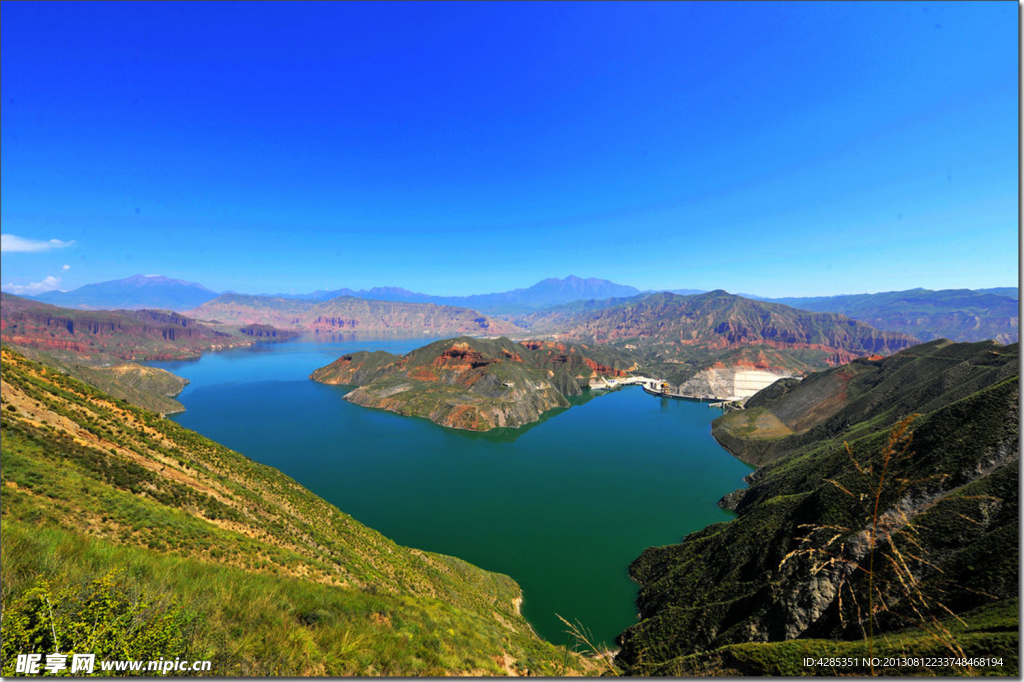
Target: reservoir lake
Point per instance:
(562, 506)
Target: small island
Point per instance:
(473, 384)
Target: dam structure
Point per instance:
(719, 385)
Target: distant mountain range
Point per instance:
(955, 314)
(155, 291)
(721, 320)
(139, 291)
(548, 292)
(346, 314)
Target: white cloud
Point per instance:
(10, 243)
(48, 284)
(65, 267)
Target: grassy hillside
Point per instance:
(862, 397)
(263, 577)
(474, 384)
(989, 633)
(915, 522)
(146, 387)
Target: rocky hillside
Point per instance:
(347, 314)
(915, 521)
(473, 384)
(124, 334)
(718, 320)
(195, 551)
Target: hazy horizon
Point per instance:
(293, 292)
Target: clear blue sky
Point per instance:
(778, 149)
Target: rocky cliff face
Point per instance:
(471, 384)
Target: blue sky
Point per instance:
(778, 149)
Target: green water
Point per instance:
(563, 506)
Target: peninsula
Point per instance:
(474, 384)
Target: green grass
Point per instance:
(254, 624)
(278, 580)
(990, 635)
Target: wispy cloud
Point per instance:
(10, 243)
(48, 284)
(65, 267)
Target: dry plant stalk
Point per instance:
(892, 539)
(583, 636)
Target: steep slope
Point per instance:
(125, 334)
(956, 314)
(917, 521)
(472, 384)
(257, 574)
(139, 291)
(348, 314)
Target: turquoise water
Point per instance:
(563, 506)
